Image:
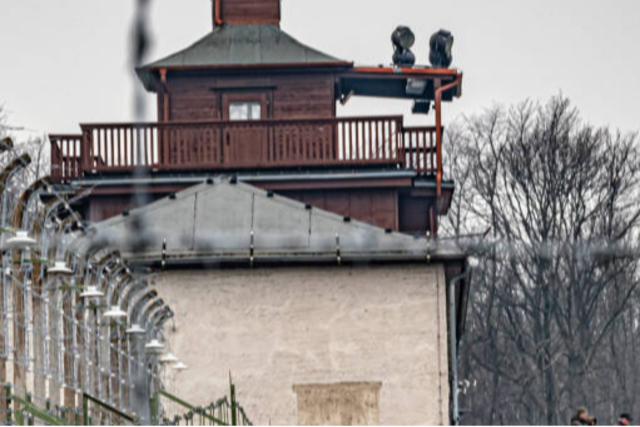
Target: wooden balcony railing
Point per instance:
(226, 145)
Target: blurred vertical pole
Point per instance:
(140, 47)
(52, 338)
(39, 380)
(68, 354)
(232, 392)
(19, 334)
(6, 395)
(80, 351)
(5, 405)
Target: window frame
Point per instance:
(246, 110)
(236, 98)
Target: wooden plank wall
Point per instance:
(415, 214)
(238, 12)
(376, 207)
(291, 96)
(384, 208)
(102, 207)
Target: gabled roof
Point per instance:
(223, 222)
(232, 46)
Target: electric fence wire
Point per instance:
(20, 300)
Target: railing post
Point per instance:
(56, 160)
(163, 132)
(85, 152)
(401, 158)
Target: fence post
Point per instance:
(29, 417)
(9, 403)
(19, 416)
(154, 403)
(85, 409)
(234, 420)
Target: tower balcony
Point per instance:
(229, 146)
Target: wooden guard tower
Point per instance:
(248, 100)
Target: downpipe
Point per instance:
(453, 336)
(438, 101)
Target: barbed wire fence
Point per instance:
(66, 345)
(64, 330)
(82, 333)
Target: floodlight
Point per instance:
(60, 267)
(416, 87)
(441, 44)
(403, 39)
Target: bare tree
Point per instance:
(561, 198)
(37, 150)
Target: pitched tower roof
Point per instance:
(243, 46)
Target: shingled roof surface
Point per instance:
(243, 45)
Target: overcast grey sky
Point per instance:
(63, 62)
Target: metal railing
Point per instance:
(223, 412)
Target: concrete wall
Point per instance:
(281, 330)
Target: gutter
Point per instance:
(448, 185)
(102, 181)
(323, 258)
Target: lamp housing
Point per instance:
(115, 312)
(180, 366)
(20, 240)
(441, 44)
(92, 292)
(169, 358)
(60, 267)
(135, 329)
(421, 106)
(154, 346)
(403, 39)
